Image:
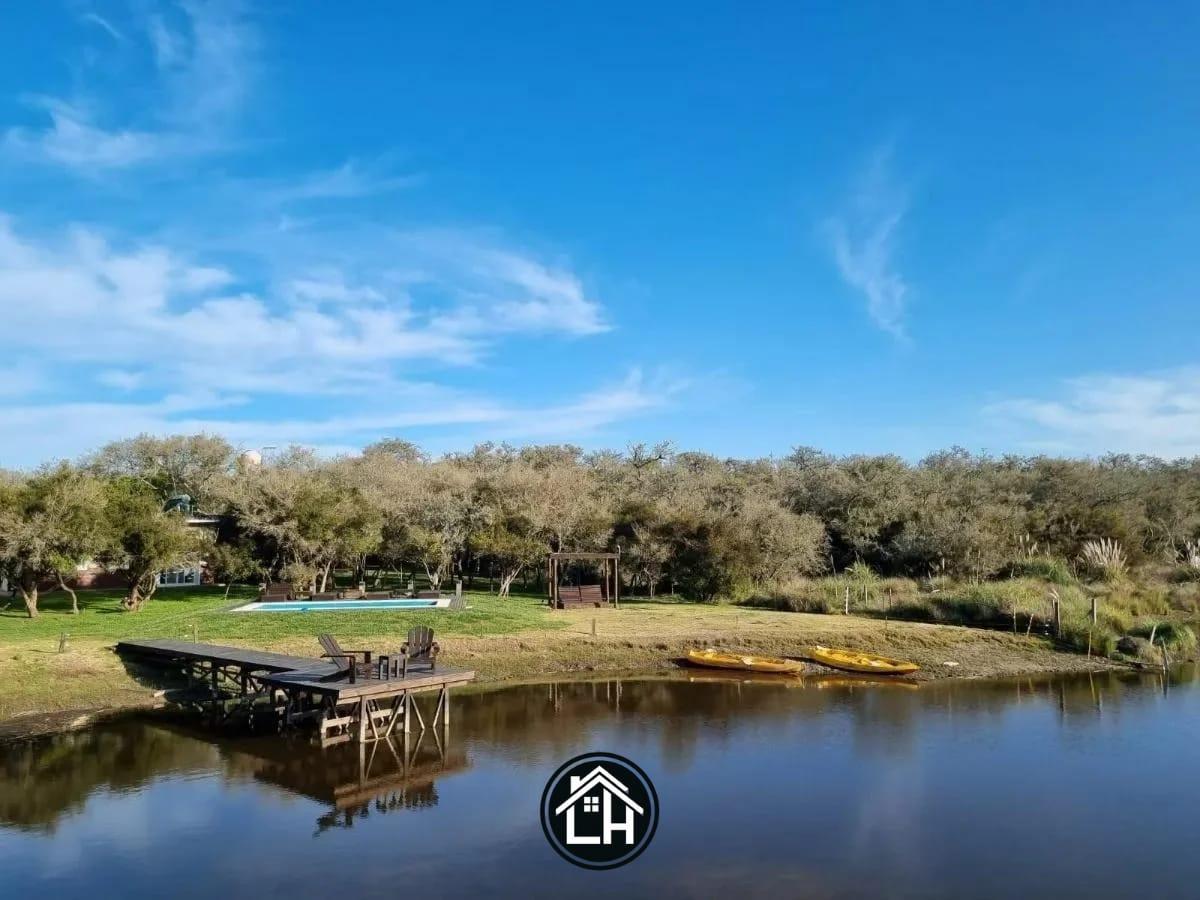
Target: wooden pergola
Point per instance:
(610, 574)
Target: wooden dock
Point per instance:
(299, 689)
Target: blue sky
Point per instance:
(849, 226)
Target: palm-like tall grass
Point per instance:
(1190, 555)
(1106, 557)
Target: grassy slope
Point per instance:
(517, 638)
(173, 613)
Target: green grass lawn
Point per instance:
(175, 611)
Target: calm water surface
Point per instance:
(1044, 788)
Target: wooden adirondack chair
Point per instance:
(347, 661)
(419, 650)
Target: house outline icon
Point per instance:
(608, 787)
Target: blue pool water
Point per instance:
(323, 605)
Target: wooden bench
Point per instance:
(581, 595)
(276, 592)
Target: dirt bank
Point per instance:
(88, 677)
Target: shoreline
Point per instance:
(75, 689)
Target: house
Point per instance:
(595, 801)
(189, 576)
(93, 575)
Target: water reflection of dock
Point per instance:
(348, 776)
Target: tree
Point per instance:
(397, 449)
(145, 540)
(505, 531)
(50, 524)
(440, 513)
(171, 466)
(864, 501)
(233, 561)
(310, 511)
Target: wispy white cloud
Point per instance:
(121, 379)
(1156, 413)
(499, 290)
(193, 334)
(350, 180)
(862, 236)
(65, 430)
(204, 60)
(167, 44)
(73, 140)
(77, 297)
(94, 18)
(329, 286)
(208, 62)
(330, 331)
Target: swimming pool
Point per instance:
(338, 605)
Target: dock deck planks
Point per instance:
(295, 672)
(261, 660)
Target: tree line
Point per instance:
(687, 522)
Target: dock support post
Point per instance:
(407, 712)
(362, 719)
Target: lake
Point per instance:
(1080, 787)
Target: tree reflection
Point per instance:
(44, 780)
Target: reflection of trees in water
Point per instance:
(44, 779)
(536, 722)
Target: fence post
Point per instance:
(847, 600)
(1057, 617)
(62, 642)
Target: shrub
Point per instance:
(1079, 634)
(1185, 574)
(1142, 600)
(1178, 638)
(799, 595)
(1116, 620)
(795, 595)
(828, 595)
(1044, 568)
(1185, 597)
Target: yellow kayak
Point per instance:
(718, 659)
(855, 661)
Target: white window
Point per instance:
(591, 804)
